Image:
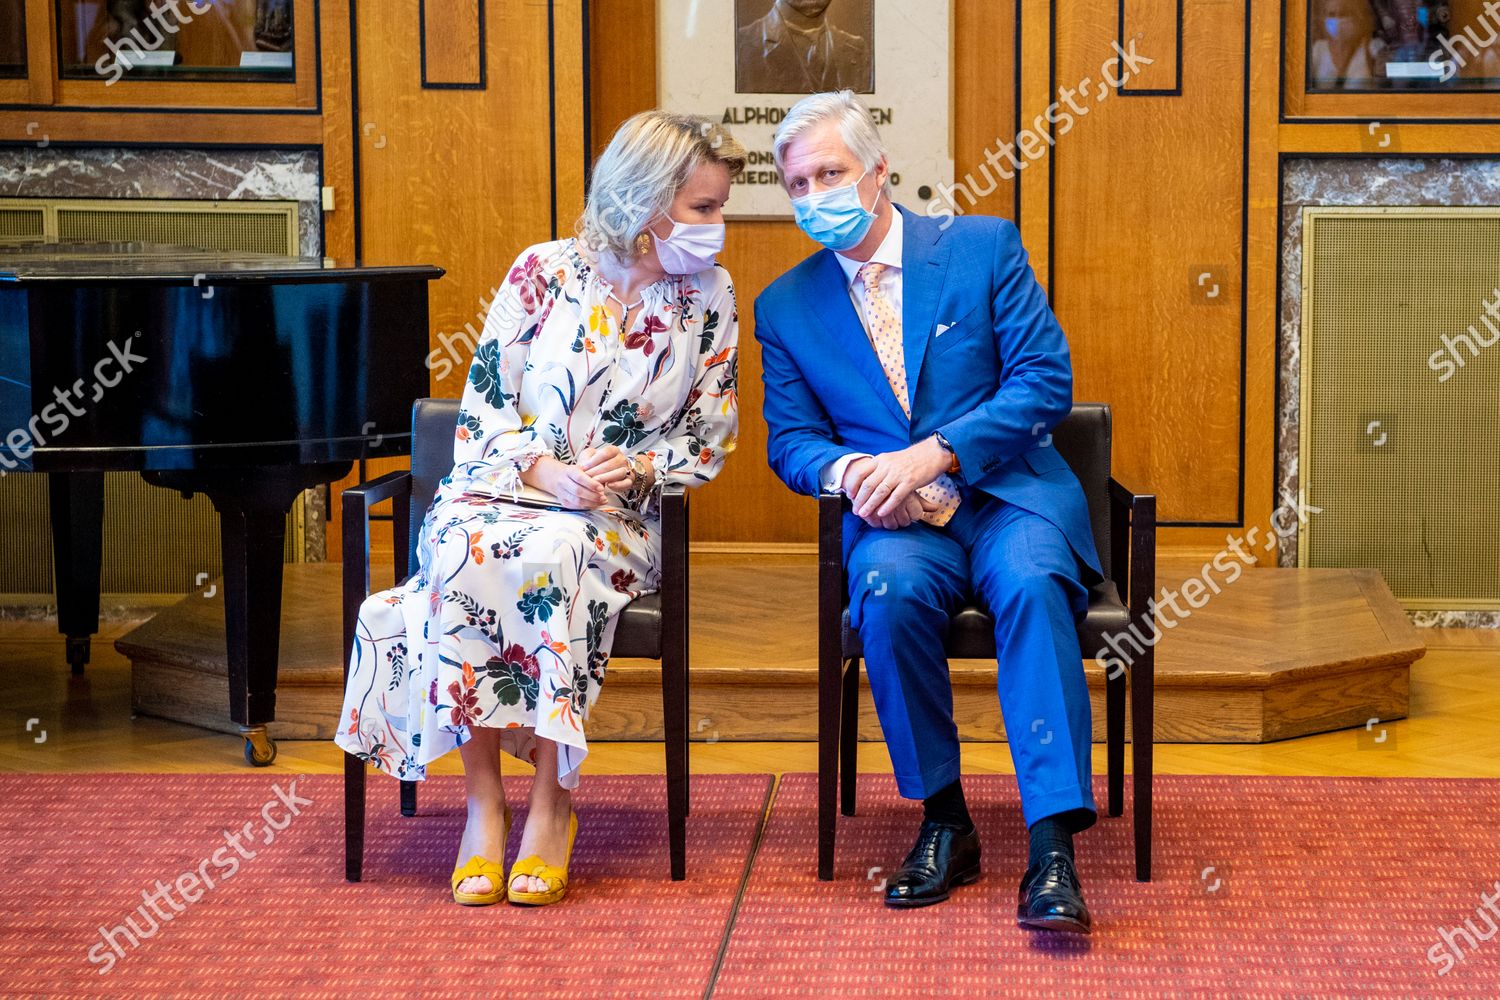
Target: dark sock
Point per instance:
(1050, 834)
(946, 805)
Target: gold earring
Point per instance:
(642, 244)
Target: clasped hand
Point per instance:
(882, 490)
(587, 484)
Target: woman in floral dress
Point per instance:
(607, 369)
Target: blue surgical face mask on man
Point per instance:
(835, 218)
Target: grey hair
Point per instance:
(856, 125)
(650, 158)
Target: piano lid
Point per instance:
(96, 263)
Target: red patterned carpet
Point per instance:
(1326, 887)
(79, 850)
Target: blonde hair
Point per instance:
(647, 162)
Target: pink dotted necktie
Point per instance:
(885, 333)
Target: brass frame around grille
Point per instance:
(1426, 512)
(246, 226)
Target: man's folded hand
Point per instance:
(865, 485)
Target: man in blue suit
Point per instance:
(917, 368)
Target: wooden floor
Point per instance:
(56, 723)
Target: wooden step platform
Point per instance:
(1279, 653)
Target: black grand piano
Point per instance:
(247, 378)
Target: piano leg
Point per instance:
(77, 508)
(252, 505)
(253, 541)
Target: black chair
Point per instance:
(1124, 526)
(654, 627)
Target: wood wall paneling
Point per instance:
(1147, 232)
(1129, 202)
(338, 132)
(747, 505)
(986, 108)
(1262, 265)
(108, 128)
(570, 87)
(460, 178)
(452, 41)
(41, 58)
(1036, 93)
(1155, 26)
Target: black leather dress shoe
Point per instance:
(1051, 898)
(944, 856)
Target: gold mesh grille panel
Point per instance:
(22, 225)
(254, 230)
(155, 542)
(1403, 461)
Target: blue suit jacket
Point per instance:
(995, 382)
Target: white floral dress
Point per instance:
(508, 618)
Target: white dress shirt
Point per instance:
(889, 254)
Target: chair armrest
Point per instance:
(674, 529)
(380, 488)
(1133, 520)
(357, 501)
(674, 573)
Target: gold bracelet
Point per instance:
(637, 479)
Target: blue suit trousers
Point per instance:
(906, 584)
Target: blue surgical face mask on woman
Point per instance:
(835, 218)
(690, 247)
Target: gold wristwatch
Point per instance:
(638, 476)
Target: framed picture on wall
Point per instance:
(1384, 45)
(746, 62)
(803, 46)
(1391, 60)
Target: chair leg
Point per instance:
(354, 817)
(829, 698)
(1114, 735)
(1142, 684)
(408, 798)
(849, 736)
(684, 565)
(675, 742)
(687, 735)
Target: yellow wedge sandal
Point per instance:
(477, 866)
(556, 877)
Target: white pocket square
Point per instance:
(942, 328)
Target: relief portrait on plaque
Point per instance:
(804, 46)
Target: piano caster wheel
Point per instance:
(78, 654)
(260, 749)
